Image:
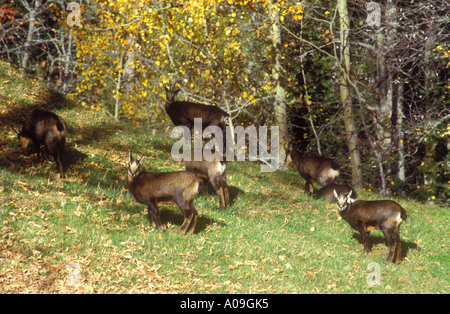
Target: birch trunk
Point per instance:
(350, 129)
(277, 75)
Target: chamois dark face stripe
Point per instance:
(133, 168)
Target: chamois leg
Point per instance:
(394, 245)
(221, 197)
(218, 186)
(398, 257)
(188, 216)
(56, 149)
(57, 157)
(224, 196)
(153, 214)
(183, 204)
(194, 219)
(390, 256)
(388, 235)
(37, 147)
(309, 187)
(227, 196)
(365, 237)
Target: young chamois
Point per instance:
(215, 172)
(314, 167)
(366, 216)
(179, 187)
(327, 193)
(184, 112)
(44, 128)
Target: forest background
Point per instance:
(365, 82)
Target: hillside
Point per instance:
(86, 234)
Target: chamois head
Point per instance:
(26, 143)
(134, 165)
(171, 92)
(343, 199)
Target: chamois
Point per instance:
(314, 167)
(366, 216)
(179, 187)
(213, 171)
(326, 192)
(44, 128)
(184, 112)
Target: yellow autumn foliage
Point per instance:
(128, 50)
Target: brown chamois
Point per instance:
(44, 128)
(366, 216)
(179, 187)
(184, 112)
(314, 167)
(215, 172)
(327, 193)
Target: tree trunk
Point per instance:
(277, 75)
(399, 132)
(350, 129)
(385, 76)
(32, 13)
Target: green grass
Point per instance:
(272, 239)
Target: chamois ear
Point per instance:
(335, 194)
(349, 199)
(141, 161)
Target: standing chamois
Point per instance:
(314, 167)
(179, 187)
(366, 216)
(184, 112)
(44, 128)
(215, 172)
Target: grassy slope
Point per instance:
(273, 239)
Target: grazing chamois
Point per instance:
(184, 112)
(314, 167)
(366, 216)
(179, 187)
(44, 128)
(327, 193)
(215, 172)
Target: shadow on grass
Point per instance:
(15, 115)
(174, 216)
(233, 192)
(72, 157)
(379, 240)
(177, 218)
(15, 161)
